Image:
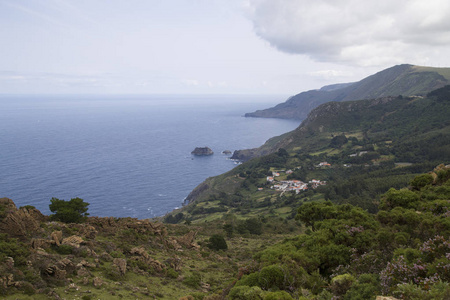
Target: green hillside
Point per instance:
(371, 145)
(406, 80)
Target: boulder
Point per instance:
(88, 231)
(41, 243)
(74, 241)
(97, 282)
(121, 265)
(83, 272)
(187, 240)
(57, 236)
(140, 251)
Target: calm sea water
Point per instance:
(127, 155)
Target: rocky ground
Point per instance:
(104, 258)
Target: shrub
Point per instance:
(341, 284)
(280, 295)
(422, 180)
(245, 293)
(193, 281)
(271, 277)
(171, 273)
(217, 242)
(64, 249)
(403, 198)
(13, 248)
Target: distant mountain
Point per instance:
(406, 80)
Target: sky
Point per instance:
(212, 46)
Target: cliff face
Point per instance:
(406, 80)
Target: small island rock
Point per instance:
(202, 151)
(227, 152)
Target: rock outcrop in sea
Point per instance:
(202, 151)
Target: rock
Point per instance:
(385, 298)
(97, 282)
(140, 251)
(187, 240)
(57, 236)
(54, 295)
(73, 241)
(73, 286)
(7, 280)
(106, 256)
(175, 263)
(9, 205)
(121, 264)
(226, 152)
(83, 272)
(9, 262)
(173, 243)
(205, 287)
(41, 243)
(56, 272)
(19, 222)
(85, 263)
(66, 264)
(202, 151)
(88, 231)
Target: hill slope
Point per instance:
(374, 136)
(406, 80)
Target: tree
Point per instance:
(73, 211)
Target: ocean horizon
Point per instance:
(128, 156)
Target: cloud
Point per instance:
(358, 32)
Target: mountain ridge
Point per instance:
(405, 79)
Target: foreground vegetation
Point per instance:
(327, 251)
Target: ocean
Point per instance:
(128, 156)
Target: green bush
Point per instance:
(13, 248)
(403, 198)
(249, 280)
(217, 242)
(193, 281)
(245, 293)
(421, 181)
(341, 284)
(272, 277)
(64, 249)
(280, 295)
(171, 273)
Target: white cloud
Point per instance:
(364, 33)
